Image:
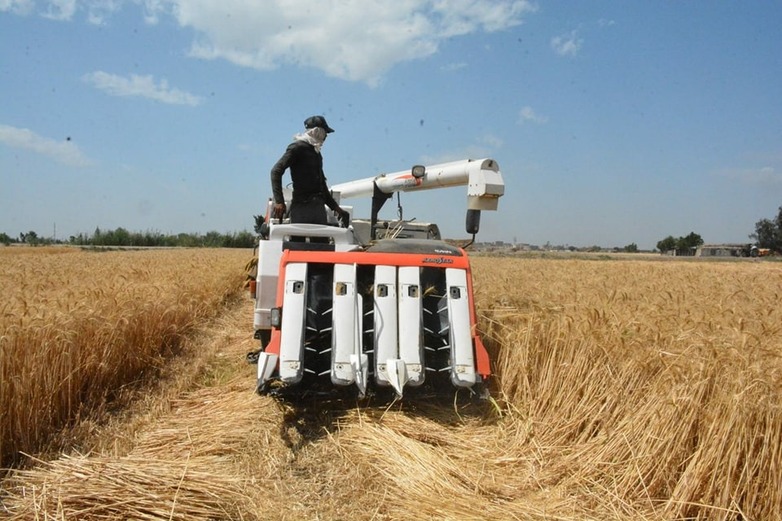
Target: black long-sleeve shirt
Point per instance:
(306, 166)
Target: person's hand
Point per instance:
(278, 212)
(344, 217)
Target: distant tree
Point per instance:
(188, 240)
(79, 240)
(691, 241)
(244, 239)
(213, 239)
(631, 248)
(682, 245)
(152, 238)
(768, 233)
(97, 238)
(121, 237)
(30, 238)
(5, 239)
(667, 244)
(765, 233)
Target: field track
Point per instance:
(220, 451)
(625, 390)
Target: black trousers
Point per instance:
(312, 212)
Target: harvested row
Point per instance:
(77, 327)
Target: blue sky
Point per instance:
(613, 122)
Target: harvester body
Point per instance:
(334, 312)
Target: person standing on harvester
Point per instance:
(310, 192)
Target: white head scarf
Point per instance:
(314, 136)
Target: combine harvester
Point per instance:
(338, 308)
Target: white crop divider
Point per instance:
(386, 324)
(410, 326)
(462, 356)
(293, 316)
(343, 339)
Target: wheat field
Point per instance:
(623, 389)
(657, 384)
(80, 326)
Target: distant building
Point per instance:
(724, 250)
(683, 252)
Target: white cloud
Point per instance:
(453, 67)
(60, 9)
(64, 10)
(355, 40)
(153, 9)
(19, 7)
(459, 17)
(65, 152)
(142, 86)
(99, 10)
(567, 44)
(528, 115)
